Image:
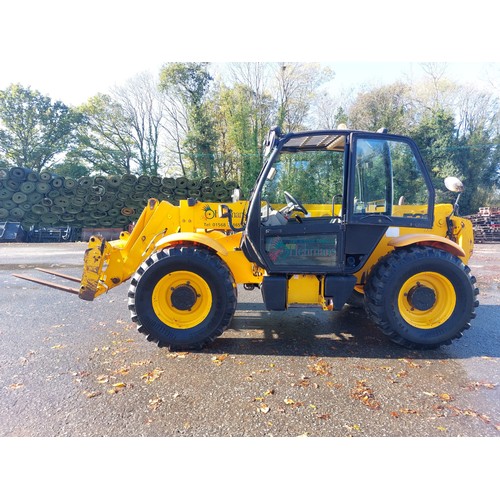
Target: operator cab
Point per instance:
(325, 198)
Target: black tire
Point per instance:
(356, 300)
(197, 292)
(421, 297)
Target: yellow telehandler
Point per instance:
(335, 217)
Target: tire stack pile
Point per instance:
(486, 225)
(47, 199)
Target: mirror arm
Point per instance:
(455, 206)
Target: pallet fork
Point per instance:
(51, 284)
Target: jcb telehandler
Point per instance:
(336, 216)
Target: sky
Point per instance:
(70, 50)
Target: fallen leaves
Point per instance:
(409, 411)
(92, 394)
(446, 397)
(410, 363)
(155, 403)
(122, 371)
(354, 427)
(288, 401)
(471, 413)
(143, 362)
(320, 368)
(102, 379)
(448, 410)
(117, 387)
(304, 382)
(324, 416)
(151, 376)
(218, 360)
(180, 355)
(334, 385)
(364, 394)
(23, 360)
(263, 408)
(479, 385)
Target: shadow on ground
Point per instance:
(346, 333)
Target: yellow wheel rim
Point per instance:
(182, 299)
(427, 300)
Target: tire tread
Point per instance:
(381, 276)
(207, 259)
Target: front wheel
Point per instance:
(182, 297)
(421, 297)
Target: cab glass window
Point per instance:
(388, 180)
(311, 176)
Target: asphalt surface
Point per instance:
(72, 368)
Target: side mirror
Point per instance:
(454, 184)
(271, 140)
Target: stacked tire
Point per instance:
(49, 199)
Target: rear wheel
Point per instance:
(182, 297)
(421, 297)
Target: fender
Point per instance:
(429, 239)
(200, 239)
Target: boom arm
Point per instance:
(109, 263)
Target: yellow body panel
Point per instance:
(411, 239)
(198, 238)
(107, 264)
(304, 289)
(461, 245)
(161, 224)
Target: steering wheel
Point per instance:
(293, 204)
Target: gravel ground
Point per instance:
(71, 368)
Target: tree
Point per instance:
(478, 134)
(189, 83)
(328, 113)
(246, 114)
(238, 149)
(175, 128)
(296, 88)
(436, 138)
(34, 131)
(389, 106)
(140, 103)
(105, 142)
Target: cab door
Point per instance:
(294, 242)
(388, 187)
